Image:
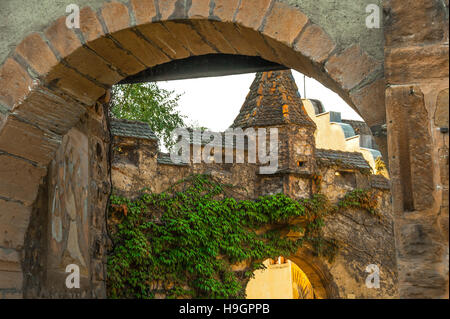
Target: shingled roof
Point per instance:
(126, 128)
(273, 100)
(164, 159)
(351, 160)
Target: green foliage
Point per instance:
(147, 102)
(361, 199)
(183, 242)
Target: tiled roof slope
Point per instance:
(273, 100)
(126, 128)
(164, 158)
(350, 160)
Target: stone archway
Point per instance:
(51, 78)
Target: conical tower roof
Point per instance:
(273, 100)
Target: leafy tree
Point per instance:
(148, 103)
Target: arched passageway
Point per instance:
(53, 76)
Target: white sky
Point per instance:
(215, 102)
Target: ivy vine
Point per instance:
(184, 242)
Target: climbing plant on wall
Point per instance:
(185, 241)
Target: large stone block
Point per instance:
(423, 62)
(74, 84)
(189, 38)
(213, 36)
(199, 9)
(20, 179)
(252, 12)
(9, 258)
(233, 35)
(284, 23)
(90, 26)
(116, 56)
(143, 50)
(315, 44)
(351, 67)
(37, 53)
(11, 280)
(14, 219)
(15, 83)
(50, 111)
(164, 39)
(225, 9)
(28, 141)
(144, 10)
(90, 64)
(63, 39)
(410, 148)
(370, 102)
(414, 22)
(441, 113)
(116, 16)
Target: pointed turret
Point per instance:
(273, 100)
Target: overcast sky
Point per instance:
(215, 102)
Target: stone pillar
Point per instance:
(416, 71)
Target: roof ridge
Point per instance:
(273, 99)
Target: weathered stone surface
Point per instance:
(410, 148)
(37, 53)
(15, 83)
(164, 39)
(67, 223)
(225, 9)
(11, 280)
(315, 44)
(116, 16)
(41, 144)
(50, 111)
(284, 24)
(63, 39)
(20, 179)
(441, 113)
(291, 59)
(14, 219)
(116, 56)
(252, 12)
(414, 22)
(75, 85)
(8, 255)
(88, 63)
(213, 36)
(144, 10)
(256, 41)
(140, 48)
(424, 62)
(370, 102)
(235, 38)
(189, 38)
(199, 9)
(350, 67)
(167, 8)
(90, 26)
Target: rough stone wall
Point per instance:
(417, 109)
(67, 225)
(364, 239)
